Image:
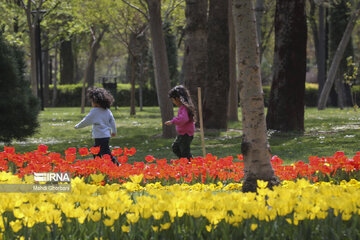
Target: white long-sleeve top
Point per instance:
(102, 120)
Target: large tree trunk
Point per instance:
(217, 79)
(195, 54)
(162, 80)
(286, 104)
(233, 89)
(254, 147)
(67, 68)
(337, 59)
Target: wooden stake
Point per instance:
(201, 122)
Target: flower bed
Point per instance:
(158, 199)
(206, 170)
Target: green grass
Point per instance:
(326, 132)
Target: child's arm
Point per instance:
(113, 126)
(181, 118)
(88, 120)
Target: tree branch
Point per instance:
(136, 8)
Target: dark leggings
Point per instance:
(103, 143)
(181, 146)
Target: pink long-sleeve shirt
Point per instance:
(184, 125)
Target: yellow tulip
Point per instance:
(125, 228)
(165, 226)
(16, 226)
(136, 178)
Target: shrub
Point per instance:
(19, 108)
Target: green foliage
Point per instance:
(19, 108)
(69, 95)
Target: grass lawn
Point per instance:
(325, 133)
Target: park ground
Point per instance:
(326, 132)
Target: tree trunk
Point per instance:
(337, 59)
(259, 10)
(132, 96)
(254, 146)
(162, 80)
(46, 69)
(195, 51)
(31, 27)
(339, 17)
(233, 89)
(321, 59)
(286, 104)
(54, 97)
(90, 66)
(67, 68)
(217, 79)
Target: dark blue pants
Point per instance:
(181, 146)
(103, 143)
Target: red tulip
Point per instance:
(84, 151)
(95, 150)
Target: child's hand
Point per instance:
(113, 134)
(168, 123)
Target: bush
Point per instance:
(19, 108)
(70, 95)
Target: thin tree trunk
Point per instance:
(321, 62)
(259, 10)
(195, 50)
(91, 61)
(233, 89)
(337, 59)
(217, 79)
(255, 145)
(54, 97)
(132, 96)
(31, 27)
(46, 70)
(161, 69)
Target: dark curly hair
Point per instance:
(183, 94)
(100, 96)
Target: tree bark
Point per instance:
(195, 51)
(233, 89)
(321, 59)
(259, 10)
(90, 65)
(54, 97)
(45, 69)
(254, 146)
(162, 79)
(337, 58)
(286, 104)
(217, 79)
(132, 95)
(67, 68)
(31, 27)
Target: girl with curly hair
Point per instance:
(102, 120)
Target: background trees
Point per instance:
(101, 39)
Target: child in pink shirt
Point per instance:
(184, 121)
